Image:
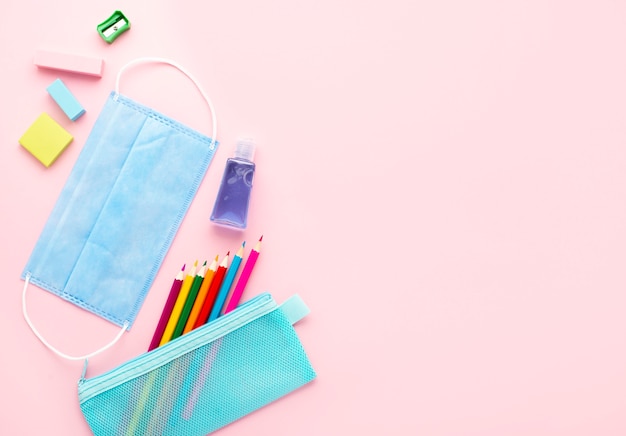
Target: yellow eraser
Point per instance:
(46, 139)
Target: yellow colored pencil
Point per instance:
(191, 298)
(202, 293)
(178, 306)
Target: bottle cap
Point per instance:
(245, 149)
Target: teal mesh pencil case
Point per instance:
(204, 379)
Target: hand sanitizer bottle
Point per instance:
(233, 197)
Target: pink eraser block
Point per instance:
(69, 62)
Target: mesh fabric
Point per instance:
(204, 389)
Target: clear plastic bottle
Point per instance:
(233, 197)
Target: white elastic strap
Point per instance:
(53, 349)
(148, 60)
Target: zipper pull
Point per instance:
(82, 376)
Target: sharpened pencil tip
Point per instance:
(217, 256)
(243, 244)
(261, 238)
(183, 268)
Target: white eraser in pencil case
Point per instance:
(88, 65)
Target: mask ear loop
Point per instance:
(213, 143)
(148, 60)
(54, 349)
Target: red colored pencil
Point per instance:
(167, 309)
(212, 294)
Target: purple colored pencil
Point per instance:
(167, 309)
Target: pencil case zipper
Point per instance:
(140, 365)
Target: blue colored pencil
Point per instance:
(226, 284)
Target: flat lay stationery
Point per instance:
(105, 240)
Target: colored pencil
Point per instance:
(145, 397)
(191, 298)
(244, 277)
(212, 293)
(167, 309)
(178, 306)
(200, 381)
(226, 284)
(202, 293)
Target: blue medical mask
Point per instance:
(120, 208)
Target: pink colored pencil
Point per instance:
(243, 278)
(167, 309)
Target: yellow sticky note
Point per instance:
(46, 139)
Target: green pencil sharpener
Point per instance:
(113, 26)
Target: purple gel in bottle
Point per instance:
(233, 197)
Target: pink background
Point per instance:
(444, 183)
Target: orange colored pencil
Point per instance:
(212, 293)
(202, 293)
